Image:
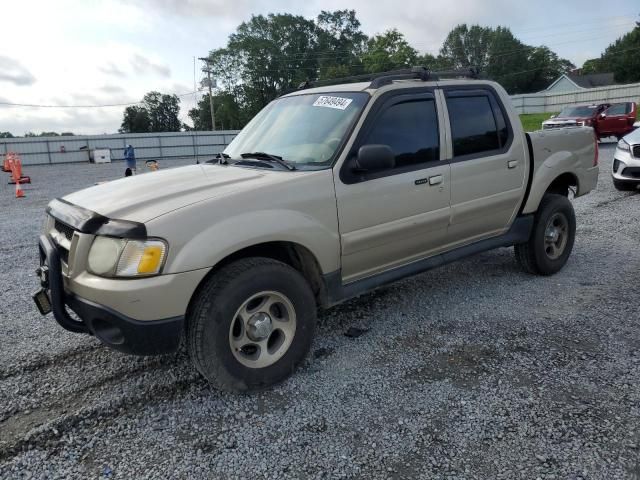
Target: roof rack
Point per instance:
(384, 78)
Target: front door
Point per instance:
(488, 165)
(614, 120)
(391, 217)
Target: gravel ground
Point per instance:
(473, 370)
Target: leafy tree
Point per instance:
(49, 134)
(157, 113)
(621, 57)
(502, 57)
(226, 110)
(432, 62)
(544, 67)
(136, 120)
(163, 112)
(591, 66)
(340, 44)
(388, 51)
(272, 54)
(276, 53)
(467, 46)
(6, 135)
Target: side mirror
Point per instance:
(375, 157)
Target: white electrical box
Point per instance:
(101, 156)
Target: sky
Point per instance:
(106, 52)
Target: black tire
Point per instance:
(209, 324)
(534, 256)
(623, 186)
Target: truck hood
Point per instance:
(143, 197)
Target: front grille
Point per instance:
(636, 151)
(66, 230)
(633, 172)
(549, 126)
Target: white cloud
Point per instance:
(114, 51)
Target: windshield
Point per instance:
(301, 129)
(577, 111)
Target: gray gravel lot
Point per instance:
(473, 370)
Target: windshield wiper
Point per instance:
(269, 158)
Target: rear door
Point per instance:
(389, 218)
(488, 164)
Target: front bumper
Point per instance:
(626, 166)
(148, 337)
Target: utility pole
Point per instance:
(208, 71)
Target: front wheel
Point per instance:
(552, 237)
(251, 324)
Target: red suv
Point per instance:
(608, 120)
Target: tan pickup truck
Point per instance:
(329, 192)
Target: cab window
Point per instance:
(473, 126)
(411, 130)
(618, 109)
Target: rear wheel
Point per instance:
(551, 239)
(623, 186)
(251, 324)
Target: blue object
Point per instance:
(130, 157)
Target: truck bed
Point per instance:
(569, 151)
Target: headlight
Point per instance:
(624, 146)
(114, 257)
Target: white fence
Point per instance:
(43, 150)
(554, 102)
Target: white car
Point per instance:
(626, 162)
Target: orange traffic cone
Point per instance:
(19, 192)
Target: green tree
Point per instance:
(502, 57)
(163, 112)
(388, 51)
(136, 120)
(226, 110)
(621, 57)
(340, 44)
(544, 67)
(277, 53)
(157, 113)
(591, 66)
(6, 135)
(432, 62)
(467, 47)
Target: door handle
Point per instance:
(435, 180)
(512, 164)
